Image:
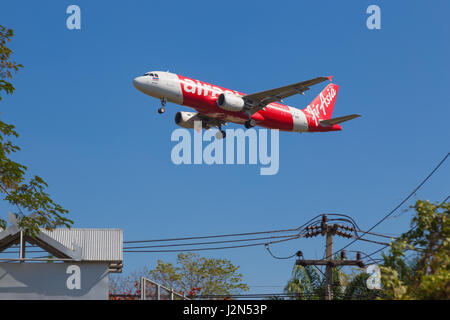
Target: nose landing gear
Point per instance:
(163, 103)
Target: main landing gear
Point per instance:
(249, 123)
(163, 103)
(221, 134)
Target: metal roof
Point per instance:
(96, 244)
(84, 245)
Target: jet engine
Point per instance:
(186, 119)
(230, 102)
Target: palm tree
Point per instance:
(357, 289)
(306, 283)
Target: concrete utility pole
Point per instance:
(329, 267)
(329, 231)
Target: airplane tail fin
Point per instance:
(321, 108)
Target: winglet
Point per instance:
(330, 78)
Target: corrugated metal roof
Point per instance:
(96, 244)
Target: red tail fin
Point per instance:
(321, 107)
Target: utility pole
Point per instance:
(329, 258)
(329, 231)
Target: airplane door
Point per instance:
(173, 88)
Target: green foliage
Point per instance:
(424, 274)
(34, 207)
(199, 275)
(193, 275)
(356, 287)
(307, 283)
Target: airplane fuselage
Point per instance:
(203, 96)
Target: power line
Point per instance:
(378, 234)
(372, 241)
(346, 218)
(400, 204)
(279, 258)
(365, 255)
(225, 235)
(375, 252)
(344, 215)
(209, 242)
(215, 248)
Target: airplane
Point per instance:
(216, 105)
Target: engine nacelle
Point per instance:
(230, 102)
(186, 119)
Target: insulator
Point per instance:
(343, 255)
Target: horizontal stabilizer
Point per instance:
(330, 122)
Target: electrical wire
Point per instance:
(347, 219)
(369, 256)
(215, 248)
(375, 252)
(365, 255)
(279, 258)
(399, 205)
(372, 241)
(225, 235)
(203, 243)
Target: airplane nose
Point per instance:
(139, 83)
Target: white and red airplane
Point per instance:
(216, 106)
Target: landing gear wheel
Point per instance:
(163, 103)
(220, 134)
(249, 124)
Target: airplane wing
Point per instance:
(337, 120)
(259, 100)
(209, 122)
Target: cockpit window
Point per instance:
(154, 75)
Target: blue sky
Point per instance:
(105, 151)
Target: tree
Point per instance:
(418, 265)
(32, 205)
(306, 283)
(356, 287)
(192, 276)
